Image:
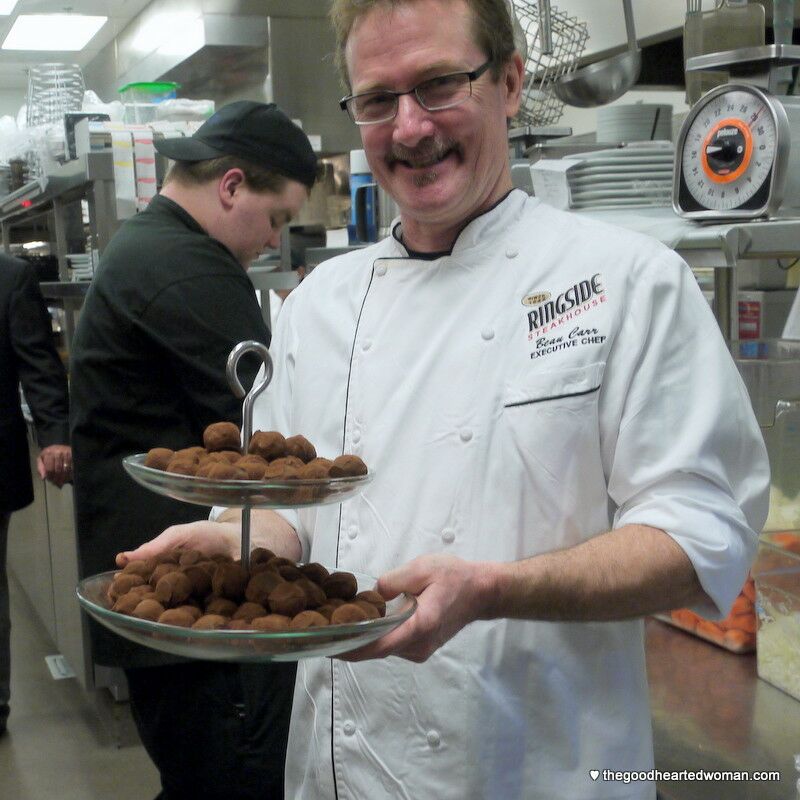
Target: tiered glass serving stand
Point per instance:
(243, 645)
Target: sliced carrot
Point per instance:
(741, 605)
(685, 618)
(739, 640)
(708, 628)
(744, 622)
(749, 590)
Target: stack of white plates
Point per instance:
(80, 266)
(637, 122)
(636, 175)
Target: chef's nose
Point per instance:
(412, 123)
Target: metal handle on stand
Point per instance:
(247, 415)
(545, 28)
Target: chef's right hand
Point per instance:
(206, 536)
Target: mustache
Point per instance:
(426, 153)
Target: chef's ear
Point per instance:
(229, 184)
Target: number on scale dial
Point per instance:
(729, 150)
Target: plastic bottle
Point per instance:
(360, 175)
(733, 24)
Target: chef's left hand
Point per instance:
(450, 594)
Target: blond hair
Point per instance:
(491, 23)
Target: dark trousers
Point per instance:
(215, 731)
(5, 623)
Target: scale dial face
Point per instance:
(728, 152)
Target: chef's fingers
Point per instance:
(204, 535)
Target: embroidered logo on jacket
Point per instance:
(549, 314)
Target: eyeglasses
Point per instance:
(433, 94)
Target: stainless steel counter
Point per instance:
(711, 711)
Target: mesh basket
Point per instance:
(540, 106)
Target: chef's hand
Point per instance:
(206, 536)
(450, 594)
(54, 464)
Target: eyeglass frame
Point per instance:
(472, 76)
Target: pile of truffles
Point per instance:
(269, 457)
(190, 590)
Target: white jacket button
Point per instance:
(448, 535)
(380, 270)
(465, 434)
(512, 252)
(434, 740)
(487, 334)
(356, 437)
(352, 533)
(366, 345)
(349, 728)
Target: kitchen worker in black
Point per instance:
(171, 297)
(28, 357)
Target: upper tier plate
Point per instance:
(233, 493)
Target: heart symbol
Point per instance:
(594, 774)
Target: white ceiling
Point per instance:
(13, 63)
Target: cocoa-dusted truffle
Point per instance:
(340, 584)
(271, 622)
(374, 598)
(139, 567)
(314, 594)
(261, 585)
(288, 599)
(368, 608)
(231, 456)
(181, 466)
(348, 613)
(168, 557)
(192, 453)
(123, 583)
(300, 447)
(229, 581)
(308, 619)
(127, 603)
(158, 457)
(221, 471)
(177, 616)
(283, 469)
(200, 579)
(249, 611)
(322, 462)
(289, 572)
(160, 571)
(222, 436)
(238, 624)
(280, 561)
(253, 465)
(173, 588)
(260, 554)
(193, 611)
(314, 472)
(189, 557)
(148, 609)
(221, 606)
(314, 572)
(347, 466)
(210, 622)
(267, 444)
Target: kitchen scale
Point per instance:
(738, 151)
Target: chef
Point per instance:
(559, 439)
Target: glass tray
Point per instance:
(232, 493)
(242, 646)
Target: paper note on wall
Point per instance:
(145, 160)
(124, 173)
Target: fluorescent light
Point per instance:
(52, 31)
(7, 6)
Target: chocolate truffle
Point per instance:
(221, 606)
(249, 611)
(314, 472)
(289, 572)
(348, 613)
(314, 572)
(373, 597)
(210, 622)
(222, 436)
(189, 557)
(200, 579)
(340, 584)
(173, 588)
(158, 457)
(238, 625)
(181, 466)
(314, 594)
(193, 611)
(308, 619)
(253, 465)
(139, 567)
(348, 466)
(271, 622)
(160, 571)
(229, 581)
(322, 462)
(368, 608)
(223, 471)
(148, 609)
(177, 616)
(261, 584)
(127, 603)
(260, 554)
(267, 444)
(300, 447)
(192, 453)
(123, 583)
(288, 599)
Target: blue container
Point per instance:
(363, 225)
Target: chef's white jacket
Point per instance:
(549, 380)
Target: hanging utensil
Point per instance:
(604, 81)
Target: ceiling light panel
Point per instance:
(52, 31)
(7, 6)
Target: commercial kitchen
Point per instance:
(680, 120)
